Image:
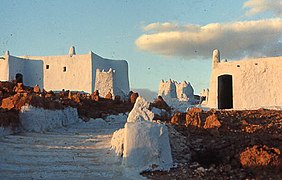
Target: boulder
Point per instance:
(143, 144)
(109, 96)
(18, 88)
(117, 99)
(133, 97)
(161, 104)
(260, 156)
(193, 117)
(212, 122)
(129, 96)
(36, 89)
(178, 118)
(95, 96)
(7, 103)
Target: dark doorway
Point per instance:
(225, 92)
(19, 78)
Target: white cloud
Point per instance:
(260, 6)
(236, 39)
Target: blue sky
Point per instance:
(155, 37)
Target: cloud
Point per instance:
(236, 39)
(260, 6)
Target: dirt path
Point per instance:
(81, 151)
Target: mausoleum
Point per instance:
(85, 72)
(245, 84)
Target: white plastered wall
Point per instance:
(80, 73)
(4, 68)
(121, 81)
(104, 82)
(256, 82)
(76, 77)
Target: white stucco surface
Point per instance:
(72, 72)
(104, 82)
(121, 81)
(255, 82)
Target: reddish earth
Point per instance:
(13, 96)
(228, 145)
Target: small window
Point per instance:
(256, 63)
(238, 65)
(65, 69)
(47, 66)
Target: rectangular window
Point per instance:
(47, 66)
(65, 69)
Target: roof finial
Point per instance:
(7, 53)
(72, 51)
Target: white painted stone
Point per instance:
(40, 120)
(256, 82)
(143, 144)
(117, 142)
(146, 146)
(140, 111)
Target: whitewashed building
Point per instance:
(174, 90)
(72, 72)
(245, 84)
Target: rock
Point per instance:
(62, 93)
(50, 94)
(212, 122)
(76, 98)
(129, 96)
(117, 99)
(1, 95)
(18, 88)
(7, 103)
(161, 104)
(109, 96)
(193, 117)
(133, 97)
(178, 118)
(260, 156)
(36, 89)
(95, 96)
(69, 95)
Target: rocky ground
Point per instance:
(212, 144)
(15, 95)
(225, 145)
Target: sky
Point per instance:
(160, 39)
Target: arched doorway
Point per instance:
(225, 92)
(19, 78)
